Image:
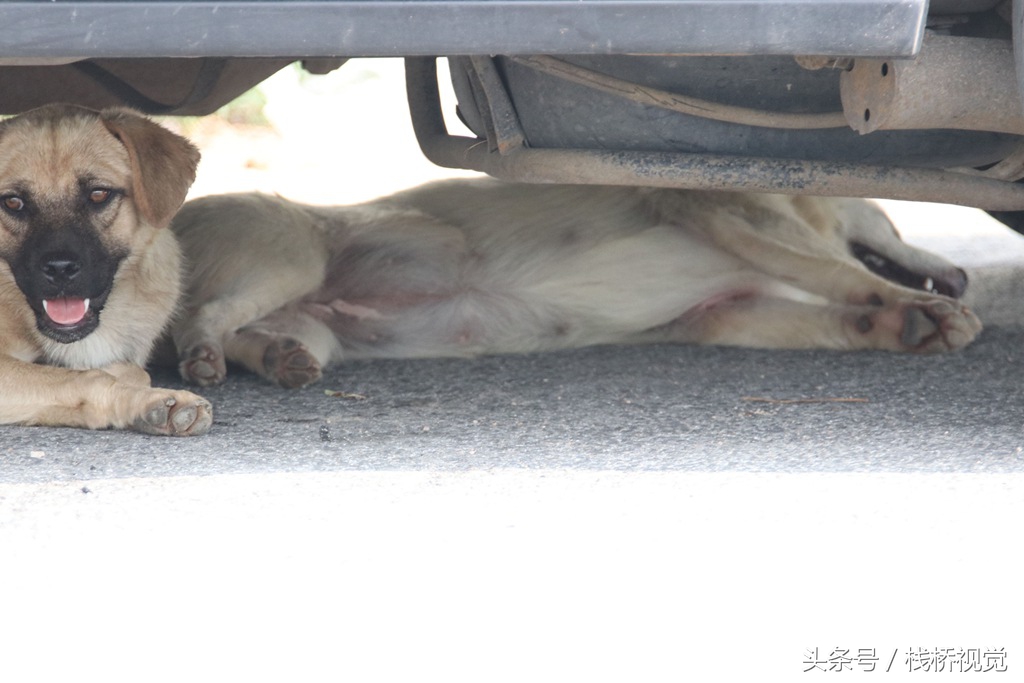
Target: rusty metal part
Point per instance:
(1011, 168)
(663, 99)
(955, 83)
(503, 128)
(689, 171)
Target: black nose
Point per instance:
(952, 284)
(61, 269)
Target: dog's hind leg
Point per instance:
(287, 347)
(922, 326)
(199, 338)
(248, 256)
(203, 333)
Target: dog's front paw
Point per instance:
(289, 363)
(938, 325)
(927, 325)
(175, 413)
(919, 325)
(203, 364)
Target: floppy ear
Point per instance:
(163, 164)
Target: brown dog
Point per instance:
(468, 267)
(89, 274)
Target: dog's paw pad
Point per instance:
(918, 326)
(182, 415)
(183, 418)
(192, 417)
(939, 325)
(154, 419)
(203, 365)
(289, 363)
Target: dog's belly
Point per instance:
(604, 295)
(455, 324)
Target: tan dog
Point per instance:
(89, 274)
(468, 267)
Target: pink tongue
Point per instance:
(66, 311)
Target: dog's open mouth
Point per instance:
(951, 283)
(66, 312)
(67, 319)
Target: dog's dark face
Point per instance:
(862, 230)
(63, 266)
(73, 208)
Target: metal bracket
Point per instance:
(518, 163)
(930, 91)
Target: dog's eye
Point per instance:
(100, 195)
(13, 203)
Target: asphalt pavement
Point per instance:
(643, 513)
(656, 408)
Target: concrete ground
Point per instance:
(611, 514)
